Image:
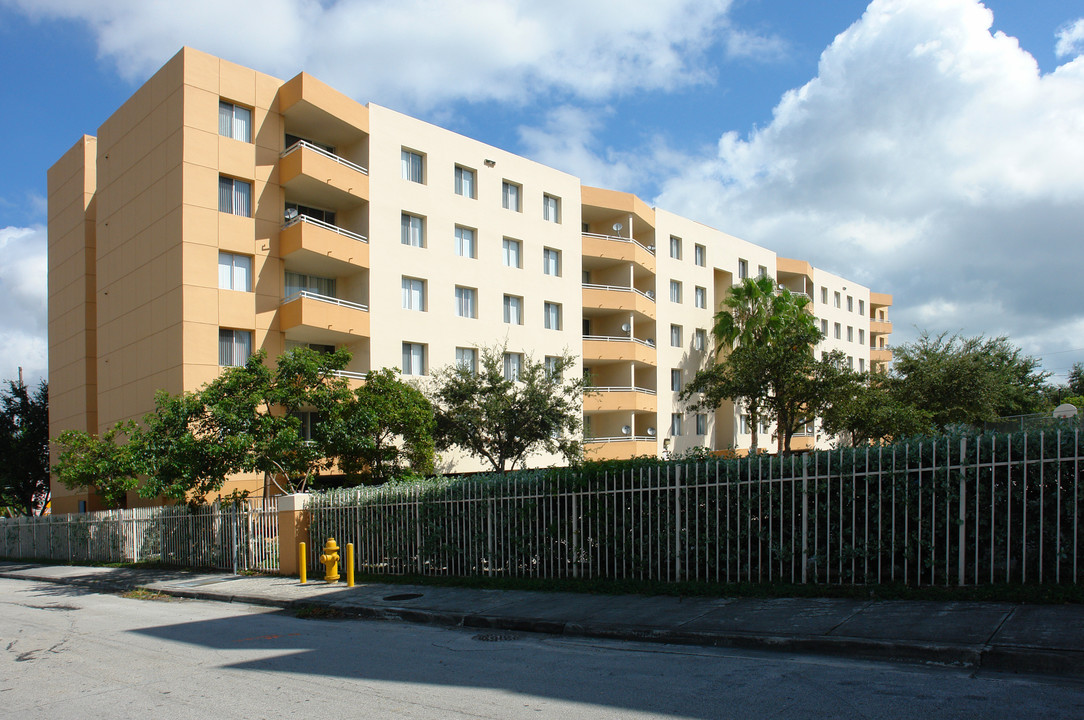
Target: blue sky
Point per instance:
(934, 150)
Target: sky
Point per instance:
(930, 149)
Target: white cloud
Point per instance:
(929, 158)
(1070, 39)
(423, 52)
(22, 285)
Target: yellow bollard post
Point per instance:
(350, 564)
(302, 564)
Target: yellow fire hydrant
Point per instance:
(330, 560)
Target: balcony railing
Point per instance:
(320, 151)
(325, 225)
(615, 338)
(620, 288)
(350, 374)
(618, 388)
(621, 438)
(617, 238)
(324, 298)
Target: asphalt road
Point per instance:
(69, 653)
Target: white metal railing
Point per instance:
(618, 388)
(620, 288)
(320, 151)
(997, 509)
(620, 338)
(621, 438)
(350, 374)
(618, 238)
(300, 217)
(227, 536)
(324, 298)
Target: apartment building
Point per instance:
(220, 210)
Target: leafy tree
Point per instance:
(103, 463)
(1076, 380)
(502, 421)
(383, 431)
(24, 447)
(860, 407)
(966, 380)
(771, 369)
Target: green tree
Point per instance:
(1076, 380)
(385, 430)
(860, 408)
(966, 380)
(104, 464)
(24, 447)
(502, 421)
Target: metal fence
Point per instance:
(227, 536)
(953, 511)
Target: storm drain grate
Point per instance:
(403, 596)
(496, 637)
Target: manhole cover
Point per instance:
(404, 596)
(496, 637)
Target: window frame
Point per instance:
(556, 254)
(234, 348)
(232, 200)
(233, 257)
(548, 202)
(513, 366)
(407, 165)
(677, 333)
(675, 291)
(506, 244)
(700, 255)
(233, 122)
(743, 269)
(472, 354)
(460, 236)
(469, 296)
(459, 174)
(406, 230)
(507, 195)
(675, 247)
(552, 315)
(412, 287)
(700, 297)
(423, 351)
(509, 303)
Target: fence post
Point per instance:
(575, 555)
(805, 517)
(677, 524)
(294, 522)
(963, 512)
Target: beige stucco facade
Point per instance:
(407, 243)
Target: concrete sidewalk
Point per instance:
(1044, 639)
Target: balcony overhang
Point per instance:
(311, 320)
(600, 349)
(619, 400)
(314, 109)
(620, 449)
(317, 249)
(314, 178)
(601, 297)
(609, 247)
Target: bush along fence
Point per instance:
(239, 536)
(948, 511)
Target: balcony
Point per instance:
(319, 248)
(314, 176)
(617, 399)
(619, 448)
(880, 327)
(604, 348)
(879, 355)
(611, 247)
(616, 297)
(313, 318)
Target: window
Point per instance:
(298, 283)
(675, 380)
(850, 304)
(466, 359)
(861, 364)
(824, 328)
(234, 121)
(745, 426)
(551, 208)
(837, 329)
(675, 291)
(234, 272)
(413, 294)
(464, 242)
(551, 313)
(850, 334)
(675, 336)
(850, 362)
(510, 193)
(701, 424)
(675, 247)
(234, 196)
(762, 271)
(234, 347)
(824, 296)
(700, 339)
(513, 366)
(322, 349)
(675, 424)
(464, 302)
(553, 364)
(294, 209)
(464, 181)
(861, 307)
(836, 298)
(861, 336)
(700, 255)
(413, 230)
(413, 166)
(513, 310)
(309, 420)
(743, 269)
(700, 297)
(413, 358)
(512, 250)
(551, 261)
